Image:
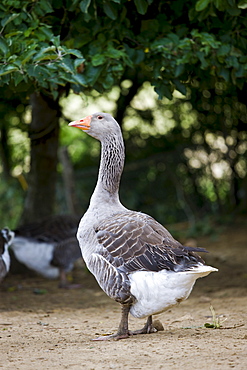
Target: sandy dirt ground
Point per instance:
(44, 327)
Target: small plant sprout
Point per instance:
(217, 322)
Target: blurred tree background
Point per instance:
(173, 73)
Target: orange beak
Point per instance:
(83, 124)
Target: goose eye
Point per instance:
(100, 117)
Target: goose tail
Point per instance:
(202, 270)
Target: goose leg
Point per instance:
(63, 279)
(147, 329)
(123, 329)
(64, 284)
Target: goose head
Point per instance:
(6, 237)
(98, 125)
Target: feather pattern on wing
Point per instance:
(115, 283)
(53, 229)
(134, 241)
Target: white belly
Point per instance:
(156, 292)
(6, 259)
(36, 256)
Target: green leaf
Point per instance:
(67, 65)
(92, 73)
(201, 57)
(8, 19)
(174, 38)
(141, 6)
(4, 80)
(225, 74)
(138, 56)
(110, 10)
(242, 4)
(3, 46)
(7, 69)
(210, 326)
(39, 72)
(28, 31)
(78, 78)
(78, 62)
(47, 32)
(68, 77)
(40, 35)
(180, 87)
(27, 56)
(108, 81)
(84, 5)
(224, 50)
(234, 11)
(55, 93)
(56, 40)
(18, 77)
(202, 4)
(163, 90)
(98, 59)
(43, 54)
(112, 52)
(14, 33)
(179, 69)
(117, 68)
(46, 6)
(240, 72)
(74, 52)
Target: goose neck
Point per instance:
(111, 164)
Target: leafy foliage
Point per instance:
(186, 158)
(46, 44)
(31, 52)
(198, 48)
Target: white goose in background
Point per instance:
(49, 247)
(135, 260)
(6, 237)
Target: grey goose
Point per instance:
(134, 259)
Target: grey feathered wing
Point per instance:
(134, 241)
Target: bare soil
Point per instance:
(44, 327)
